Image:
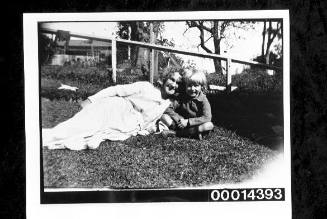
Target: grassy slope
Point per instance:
(154, 161)
(151, 161)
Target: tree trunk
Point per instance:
(134, 49)
(217, 64)
(267, 57)
(143, 59)
(216, 42)
(269, 42)
(140, 57)
(263, 39)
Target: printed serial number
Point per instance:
(258, 194)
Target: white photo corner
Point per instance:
(180, 111)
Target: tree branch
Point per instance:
(208, 39)
(186, 30)
(224, 25)
(203, 43)
(198, 24)
(205, 27)
(275, 32)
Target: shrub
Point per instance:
(257, 81)
(216, 79)
(75, 73)
(88, 80)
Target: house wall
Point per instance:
(59, 59)
(85, 54)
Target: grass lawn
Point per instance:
(151, 161)
(242, 142)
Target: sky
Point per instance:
(246, 48)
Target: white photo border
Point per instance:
(35, 209)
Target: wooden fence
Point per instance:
(154, 58)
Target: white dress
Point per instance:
(116, 113)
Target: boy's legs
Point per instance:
(204, 128)
(207, 126)
(191, 131)
(196, 130)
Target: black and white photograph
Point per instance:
(162, 107)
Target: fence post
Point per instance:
(152, 66)
(156, 64)
(228, 75)
(129, 38)
(114, 59)
(154, 56)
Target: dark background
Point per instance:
(308, 91)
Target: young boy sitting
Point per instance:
(190, 113)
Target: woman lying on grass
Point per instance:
(114, 113)
(190, 113)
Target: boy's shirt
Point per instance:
(197, 110)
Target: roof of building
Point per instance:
(85, 43)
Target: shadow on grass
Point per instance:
(258, 117)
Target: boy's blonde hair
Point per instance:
(195, 77)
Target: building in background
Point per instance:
(85, 52)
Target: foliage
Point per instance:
(254, 81)
(139, 31)
(257, 81)
(275, 59)
(46, 48)
(165, 58)
(91, 80)
(216, 79)
(271, 34)
(88, 80)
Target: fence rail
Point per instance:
(154, 47)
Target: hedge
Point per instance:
(257, 81)
(250, 81)
(91, 80)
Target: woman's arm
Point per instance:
(120, 90)
(170, 111)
